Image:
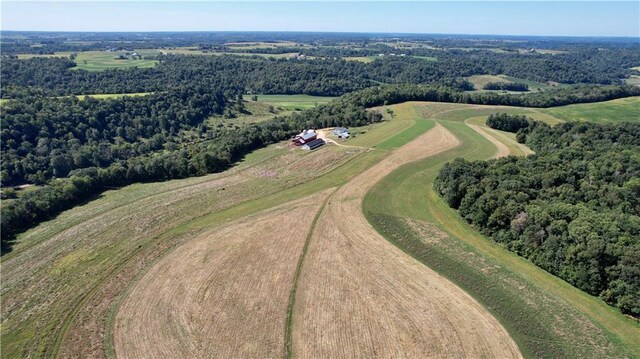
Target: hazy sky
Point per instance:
(573, 18)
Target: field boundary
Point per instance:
(288, 328)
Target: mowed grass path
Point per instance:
(545, 315)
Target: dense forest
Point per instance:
(573, 208)
(47, 137)
(327, 75)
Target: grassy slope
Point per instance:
(291, 102)
(19, 337)
(102, 60)
(624, 109)
(545, 315)
(81, 270)
(479, 81)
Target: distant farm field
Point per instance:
(291, 102)
(278, 257)
(102, 60)
(624, 109)
(479, 81)
(365, 59)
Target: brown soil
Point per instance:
(360, 297)
(223, 294)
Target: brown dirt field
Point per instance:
(223, 294)
(361, 297)
(61, 280)
(503, 150)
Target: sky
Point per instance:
(547, 18)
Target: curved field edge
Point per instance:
(546, 316)
(362, 297)
(47, 332)
(337, 176)
(226, 291)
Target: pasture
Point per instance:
(365, 59)
(291, 102)
(544, 315)
(479, 81)
(620, 110)
(102, 60)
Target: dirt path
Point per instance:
(503, 150)
(223, 294)
(361, 297)
(322, 133)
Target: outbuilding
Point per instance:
(304, 137)
(313, 144)
(341, 132)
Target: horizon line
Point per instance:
(313, 32)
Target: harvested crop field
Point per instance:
(62, 278)
(224, 293)
(360, 296)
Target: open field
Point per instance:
(71, 282)
(479, 81)
(291, 102)
(505, 142)
(56, 54)
(102, 60)
(365, 59)
(354, 281)
(546, 316)
(63, 275)
(624, 109)
(263, 44)
(98, 60)
(231, 284)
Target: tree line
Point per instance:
(507, 86)
(102, 144)
(573, 208)
(44, 137)
(322, 76)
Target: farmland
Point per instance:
(626, 109)
(109, 260)
(291, 102)
(479, 81)
(410, 219)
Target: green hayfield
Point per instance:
(479, 81)
(624, 109)
(291, 102)
(428, 58)
(365, 59)
(102, 60)
(545, 315)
